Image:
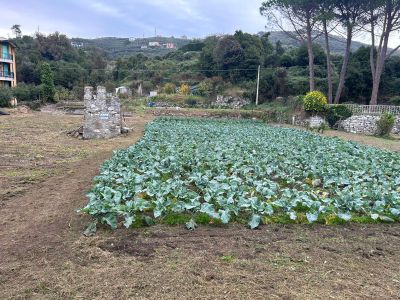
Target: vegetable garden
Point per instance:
(221, 171)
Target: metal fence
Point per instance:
(373, 109)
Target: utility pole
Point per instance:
(258, 83)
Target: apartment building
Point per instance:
(7, 63)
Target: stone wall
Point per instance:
(230, 102)
(365, 124)
(102, 114)
(312, 122)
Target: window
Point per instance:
(5, 51)
(6, 70)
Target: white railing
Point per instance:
(373, 109)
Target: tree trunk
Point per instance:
(328, 63)
(310, 56)
(372, 51)
(345, 64)
(380, 62)
(382, 51)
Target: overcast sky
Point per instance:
(132, 18)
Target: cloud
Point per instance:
(105, 9)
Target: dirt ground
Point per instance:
(43, 255)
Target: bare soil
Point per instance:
(43, 254)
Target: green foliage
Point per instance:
(184, 169)
(395, 100)
(46, 78)
(169, 88)
(385, 124)
(62, 94)
(191, 101)
(5, 96)
(227, 258)
(184, 89)
(27, 92)
(315, 102)
(206, 87)
(337, 113)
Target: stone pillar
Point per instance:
(88, 95)
(102, 115)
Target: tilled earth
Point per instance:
(43, 254)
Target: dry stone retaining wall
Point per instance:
(231, 102)
(365, 124)
(102, 114)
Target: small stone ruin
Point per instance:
(102, 114)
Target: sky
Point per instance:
(132, 18)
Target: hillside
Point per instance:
(119, 47)
(338, 44)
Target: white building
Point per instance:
(154, 44)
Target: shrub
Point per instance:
(191, 101)
(337, 113)
(298, 101)
(26, 92)
(206, 87)
(385, 124)
(5, 96)
(62, 94)
(315, 102)
(184, 89)
(395, 100)
(169, 89)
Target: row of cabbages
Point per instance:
(230, 169)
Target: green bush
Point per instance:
(315, 102)
(206, 87)
(385, 124)
(169, 89)
(62, 94)
(395, 100)
(298, 101)
(337, 113)
(5, 96)
(191, 101)
(26, 92)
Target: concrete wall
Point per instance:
(365, 124)
(102, 115)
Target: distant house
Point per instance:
(154, 44)
(7, 63)
(77, 45)
(132, 39)
(169, 45)
(143, 47)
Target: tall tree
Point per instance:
(301, 16)
(16, 29)
(350, 15)
(47, 80)
(384, 19)
(327, 18)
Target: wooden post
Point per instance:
(258, 84)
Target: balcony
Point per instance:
(5, 57)
(6, 76)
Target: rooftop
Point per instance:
(2, 39)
